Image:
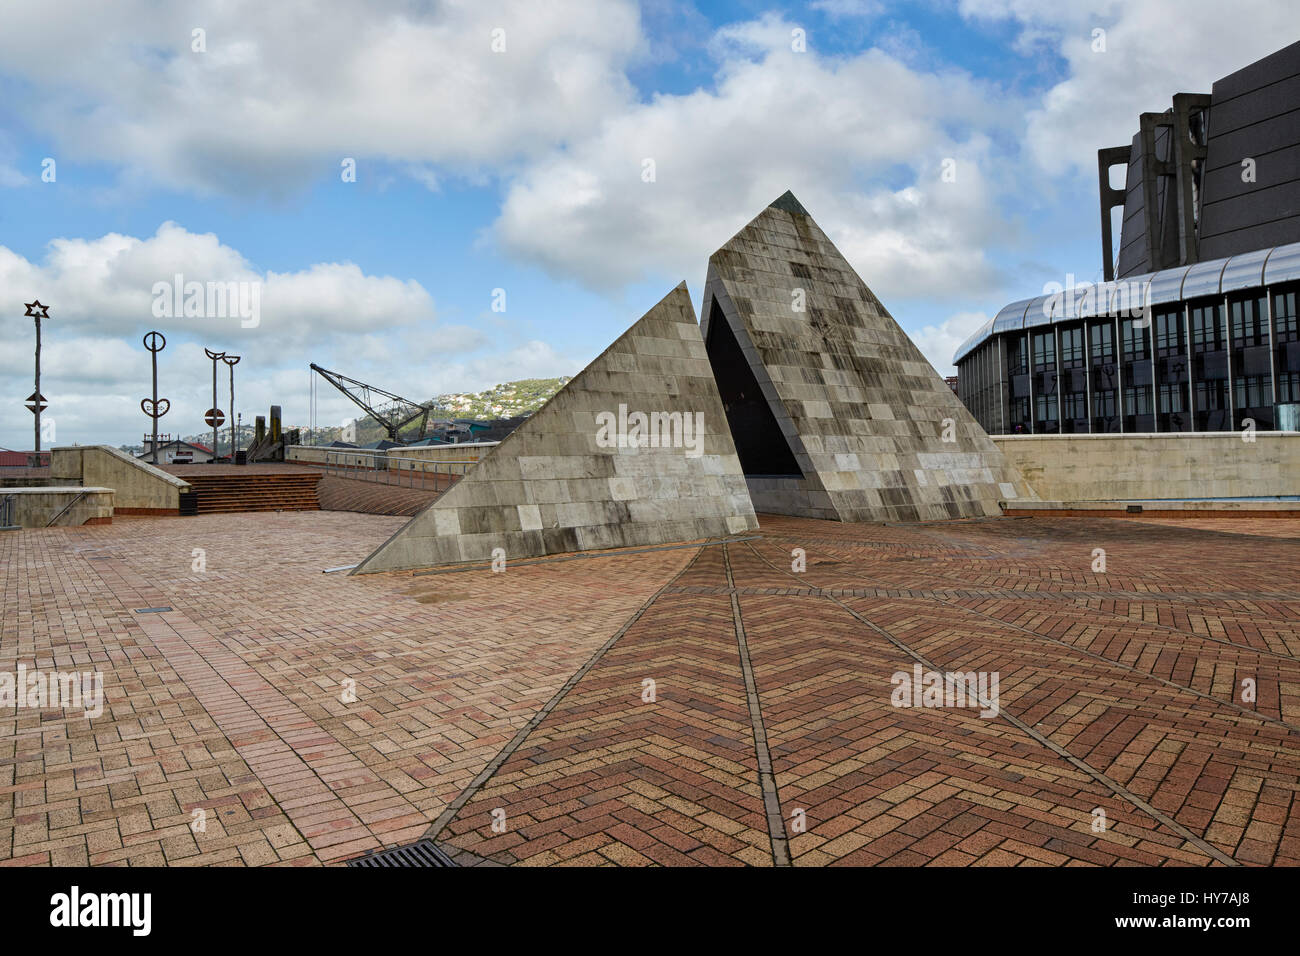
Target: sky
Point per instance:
(437, 197)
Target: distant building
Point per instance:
(443, 431)
(175, 451)
(1195, 327)
(499, 428)
(459, 430)
(24, 459)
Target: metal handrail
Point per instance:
(7, 511)
(66, 508)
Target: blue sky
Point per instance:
(521, 169)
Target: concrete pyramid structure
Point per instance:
(835, 413)
(634, 450)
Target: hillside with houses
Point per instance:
(507, 400)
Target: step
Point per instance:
(236, 508)
(228, 494)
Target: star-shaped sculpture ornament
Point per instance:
(37, 311)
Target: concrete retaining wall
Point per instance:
(140, 488)
(11, 482)
(439, 459)
(34, 507)
(1144, 466)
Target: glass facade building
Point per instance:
(1207, 347)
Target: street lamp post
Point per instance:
(37, 402)
(232, 361)
(216, 357)
(155, 407)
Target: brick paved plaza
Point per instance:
(511, 715)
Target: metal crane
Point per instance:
(397, 413)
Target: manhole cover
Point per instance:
(420, 853)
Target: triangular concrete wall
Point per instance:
(561, 483)
(863, 412)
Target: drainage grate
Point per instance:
(420, 853)
(151, 610)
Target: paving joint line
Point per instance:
(766, 778)
(1144, 597)
(1175, 630)
(1290, 728)
(449, 812)
(1115, 786)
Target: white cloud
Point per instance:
(100, 292)
(1153, 49)
(846, 9)
(413, 89)
(286, 90)
(770, 32)
(107, 285)
(776, 120)
(10, 175)
(282, 94)
(938, 342)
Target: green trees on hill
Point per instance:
(506, 400)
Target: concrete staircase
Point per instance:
(251, 491)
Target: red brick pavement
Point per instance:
(231, 703)
(611, 776)
(1120, 692)
(1100, 713)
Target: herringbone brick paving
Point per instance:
(1120, 692)
(231, 702)
(1140, 723)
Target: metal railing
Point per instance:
(66, 508)
(398, 470)
(7, 512)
